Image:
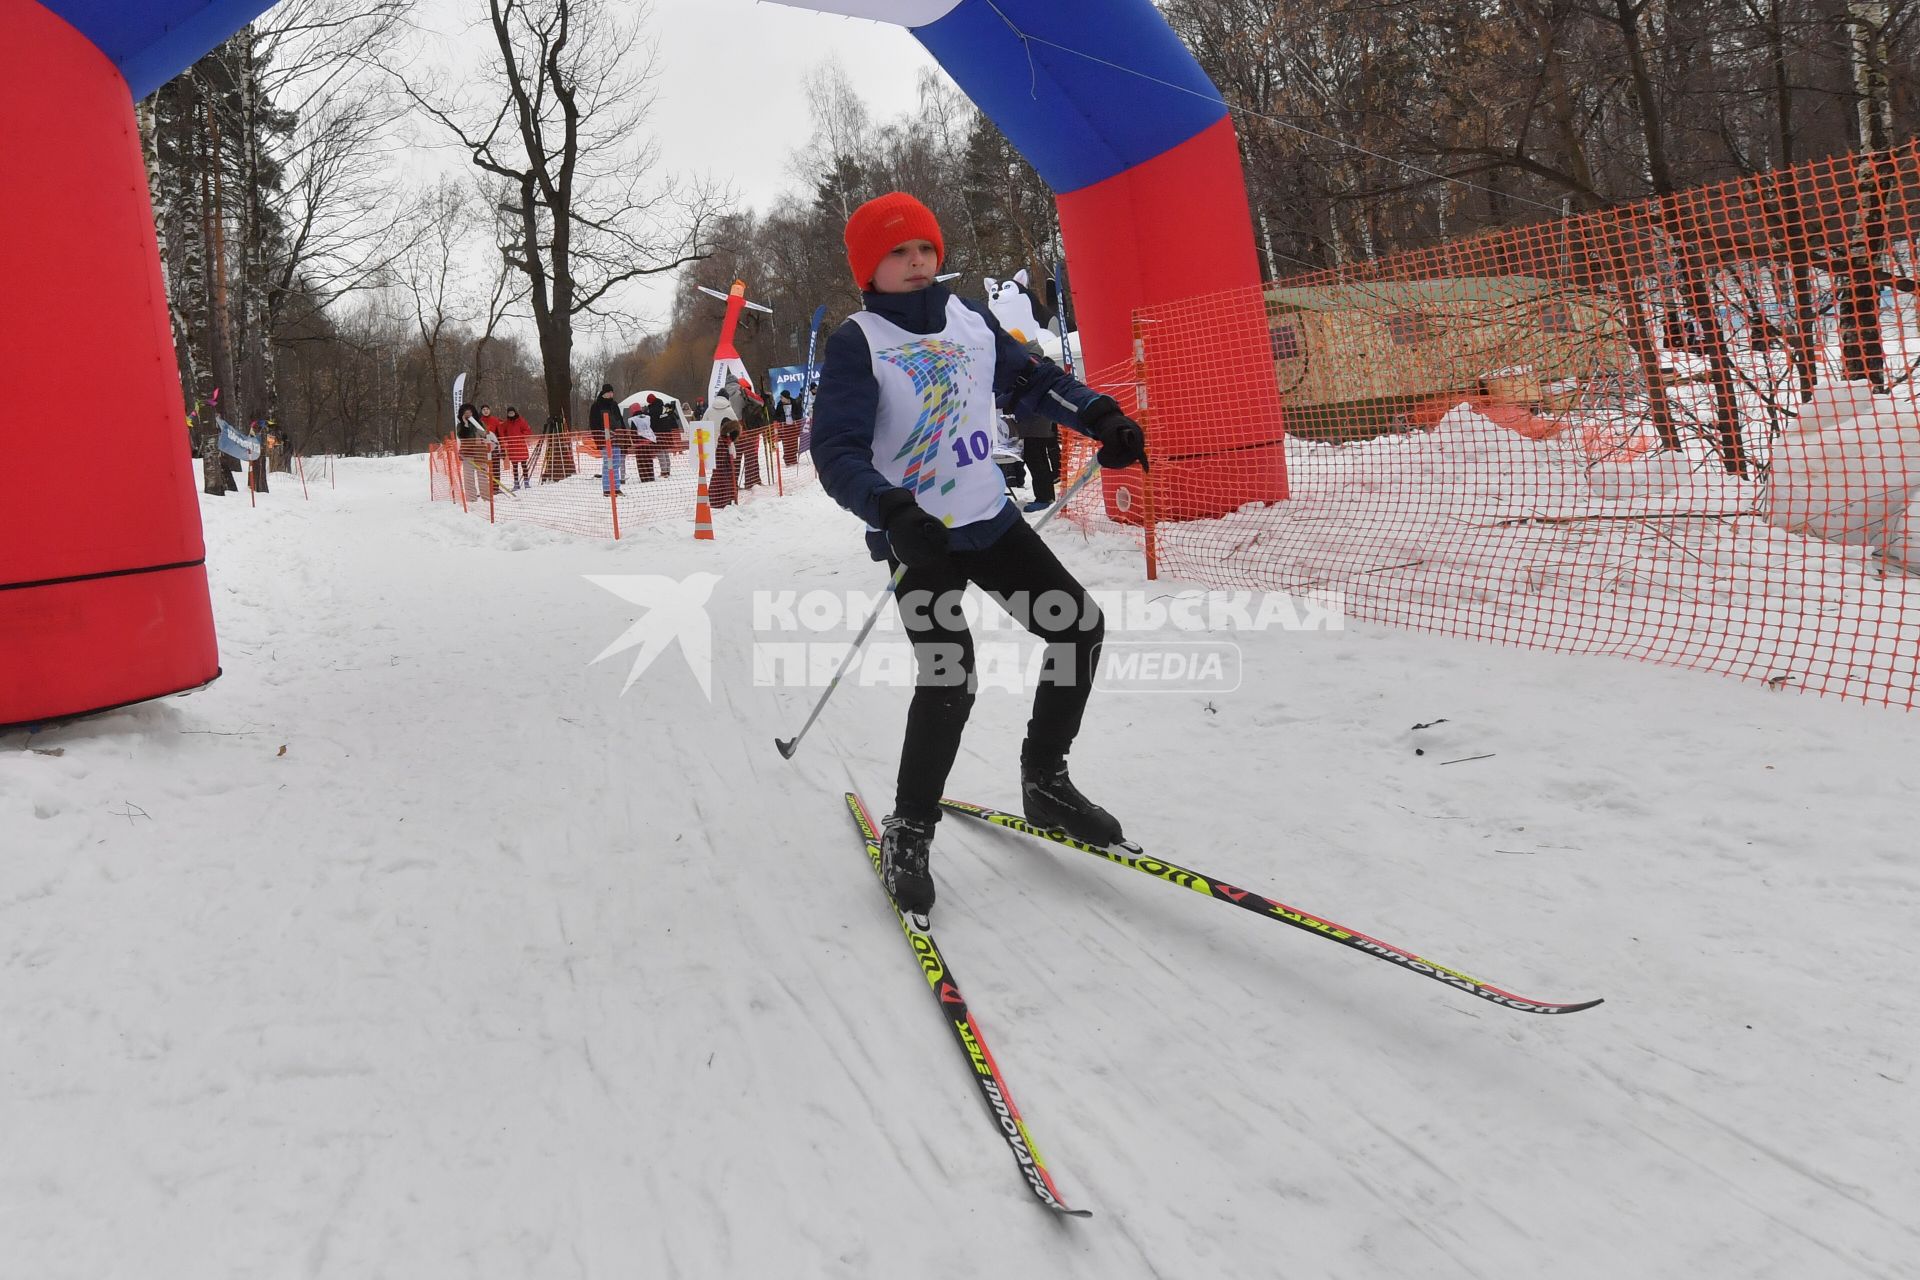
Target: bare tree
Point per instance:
(331, 231)
(444, 222)
(842, 129)
(506, 291)
(562, 128)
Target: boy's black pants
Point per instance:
(1022, 575)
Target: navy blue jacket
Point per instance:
(848, 402)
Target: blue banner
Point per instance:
(791, 377)
(236, 443)
(813, 342)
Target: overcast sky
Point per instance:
(728, 100)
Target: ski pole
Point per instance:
(790, 745)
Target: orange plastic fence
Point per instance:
(1686, 431)
(560, 483)
(313, 470)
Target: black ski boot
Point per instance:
(1052, 802)
(904, 846)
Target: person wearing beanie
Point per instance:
(903, 429)
(608, 426)
(514, 433)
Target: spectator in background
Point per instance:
(1040, 449)
(514, 434)
(722, 490)
(627, 444)
(605, 422)
(753, 420)
(493, 425)
(1006, 452)
(470, 438)
(660, 420)
(786, 418)
(646, 441)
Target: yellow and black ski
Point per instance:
(1129, 854)
(953, 1007)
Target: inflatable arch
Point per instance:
(1105, 102)
(103, 590)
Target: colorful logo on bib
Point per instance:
(936, 366)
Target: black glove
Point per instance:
(919, 541)
(1122, 443)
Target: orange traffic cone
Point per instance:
(702, 515)
(702, 509)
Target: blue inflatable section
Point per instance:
(1076, 119)
(152, 41)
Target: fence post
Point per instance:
(455, 474)
(1146, 476)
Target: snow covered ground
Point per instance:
(496, 972)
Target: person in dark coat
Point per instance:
(645, 440)
(722, 490)
(1040, 450)
(753, 421)
(628, 442)
(606, 423)
(494, 448)
(786, 419)
(663, 420)
(470, 435)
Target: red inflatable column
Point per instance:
(1177, 226)
(103, 585)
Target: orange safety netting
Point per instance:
(560, 483)
(1685, 430)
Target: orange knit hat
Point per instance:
(883, 223)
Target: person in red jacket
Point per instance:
(514, 439)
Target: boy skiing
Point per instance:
(902, 437)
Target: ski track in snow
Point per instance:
(499, 973)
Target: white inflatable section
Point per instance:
(900, 13)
